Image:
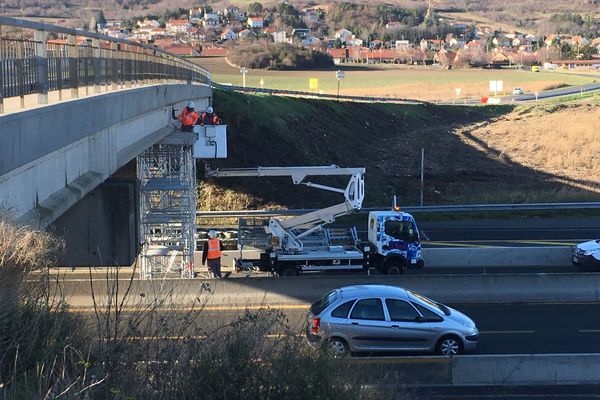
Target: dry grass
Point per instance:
(562, 141)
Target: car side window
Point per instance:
(427, 313)
(401, 310)
(343, 310)
(371, 309)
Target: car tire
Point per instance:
(287, 270)
(449, 345)
(420, 264)
(336, 347)
(394, 267)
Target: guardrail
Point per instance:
(83, 59)
(413, 209)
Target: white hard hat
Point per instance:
(209, 109)
(191, 105)
(212, 234)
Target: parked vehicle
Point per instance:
(304, 243)
(535, 68)
(587, 255)
(379, 318)
(517, 91)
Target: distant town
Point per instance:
(205, 32)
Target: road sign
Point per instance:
(340, 74)
(496, 86)
(458, 90)
(313, 84)
(262, 83)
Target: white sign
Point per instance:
(496, 86)
(458, 90)
(262, 83)
(340, 74)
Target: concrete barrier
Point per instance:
(241, 292)
(497, 256)
(526, 369)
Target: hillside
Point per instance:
(471, 154)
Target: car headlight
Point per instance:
(469, 324)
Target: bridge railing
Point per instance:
(81, 60)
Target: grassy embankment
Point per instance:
(472, 154)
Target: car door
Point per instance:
(368, 328)
(409, 329)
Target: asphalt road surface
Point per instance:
(529, 328)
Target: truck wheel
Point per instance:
(288, 270)
(393, 267)
(420, 264)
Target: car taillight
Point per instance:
(316, 323)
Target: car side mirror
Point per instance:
(419, 318)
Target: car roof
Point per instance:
(373, 290)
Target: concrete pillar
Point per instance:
(41, 51)
(128, 70)
(113, 69)
(96, 64)
(73, 65)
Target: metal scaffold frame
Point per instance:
(167, 176)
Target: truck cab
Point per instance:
(394, 242)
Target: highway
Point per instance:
(527, 328)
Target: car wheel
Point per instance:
(288, 270)
(336, 348)
(449, 346)
(394, 268)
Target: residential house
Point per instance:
(228, 34)
(211, 15)
(340, 56)
(445, 57)
(311, 17)
(211, 24)
(178, 26)
(164, 43)
(550, 39)
(431, 44)
(148, 23)
(474, 45)
(354, 42)
(195, 15)
(579, 41)
(300, 33)
(279, 36)
(246, 34)
(310, 40)
(344, 35)
(255, 22)
(375, 44)
(457, 43)
(233, 13)
(503, 41)
(183, 50)
(459, 26)
(393, 25)
(402, 45)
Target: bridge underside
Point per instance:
(79, 152)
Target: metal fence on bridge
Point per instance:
(81, 59)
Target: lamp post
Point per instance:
(244, 71)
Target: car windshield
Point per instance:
(431, 303)
(323, 302)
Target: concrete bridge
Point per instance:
(70, 166)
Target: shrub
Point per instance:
(278, 56)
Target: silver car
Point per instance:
(378, 318)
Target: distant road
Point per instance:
(557, 92)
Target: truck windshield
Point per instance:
(400, 230)
(323, 302)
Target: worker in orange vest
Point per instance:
(211, 254)
(188, 117)
(209, 117)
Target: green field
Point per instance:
(427, 83)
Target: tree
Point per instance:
(255, 8)
(100, 19)
(92, 27)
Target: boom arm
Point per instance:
(354, 194)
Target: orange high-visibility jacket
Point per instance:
(209, 119)
(214, 249)
(187, 117)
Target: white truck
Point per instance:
(304, 243)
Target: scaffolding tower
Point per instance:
(167, 177)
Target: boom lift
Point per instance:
(288, 249)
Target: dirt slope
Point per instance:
(468, 155)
